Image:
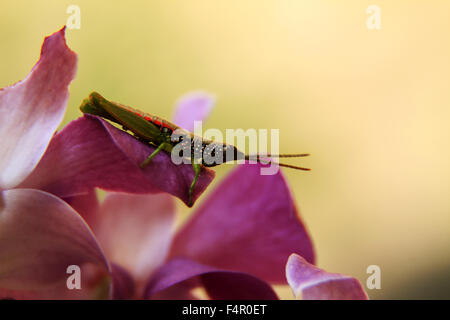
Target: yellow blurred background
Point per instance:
(371, 106)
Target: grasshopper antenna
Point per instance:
(293, 155)
(291, 166)
(264, 160)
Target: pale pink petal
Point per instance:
(308, 282)
(249, 223)
(220, 284)
(89, 152)
(40, 237)
(194, 106)
(31, 110)
(135, 231)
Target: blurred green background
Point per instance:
(371, 106)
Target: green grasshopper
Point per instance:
(167, 136)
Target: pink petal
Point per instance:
(89, 153)
(40, 236)
(248, 224)
(31, 110)
(135, 231)
(220, 284)
(311, 283)
(194, 106)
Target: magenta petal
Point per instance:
(31, 110)
(221, 284)
(135, 231)
(86, 205)
(191, 107)
(235, 285)
(249, 224)
(40, 236)
(89, 153)
(6, 294)
(311, 283)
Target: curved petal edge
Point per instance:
(43, 241)
(219, 284)
(309, 282)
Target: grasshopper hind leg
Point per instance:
(150, 157)
(197, 168)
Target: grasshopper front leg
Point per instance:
(154, 153)
(197, 168)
